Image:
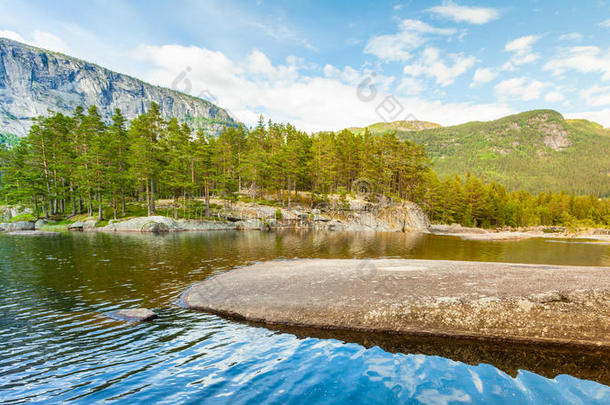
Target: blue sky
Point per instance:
(328, 65)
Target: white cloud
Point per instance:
(602, 116)
(11, 35)
(554, 97)
(355, 77)
(521, 48)
(596, 95)
(282, 92)
(411, 35)
(572, 36)
(483, 75)
(584, 59)
(605, 23)
(432, 65)
(521, 88)
(39, 39)
(471, 15)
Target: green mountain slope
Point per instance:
(535, 151)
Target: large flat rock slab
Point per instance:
(491, 301)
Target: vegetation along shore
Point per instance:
(69, 168)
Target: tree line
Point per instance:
(72, 164)
(470, 201)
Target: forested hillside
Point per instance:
(535, 151)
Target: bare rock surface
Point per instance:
(489, 301)
(133, 315)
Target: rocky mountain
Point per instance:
(33, 81)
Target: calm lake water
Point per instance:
(57, 345)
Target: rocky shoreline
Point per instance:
(356, 216)
(562, 305)
(506, 234)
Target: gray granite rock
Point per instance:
(490, 301)
(17, 226)
(40, 223)
(86, 225)
(133, 315)
(33, 81)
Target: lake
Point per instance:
(58, 345)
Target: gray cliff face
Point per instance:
(34, 81)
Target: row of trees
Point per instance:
(470, 201)
(74, 164)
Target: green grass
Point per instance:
(23, 217)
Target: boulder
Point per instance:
(133, 315)
(154, 224)
(86, 225)
(17, 226)
(155, 227)
(40, 223)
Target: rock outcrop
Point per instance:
(8, 212)
(490, 301)
(33, 81)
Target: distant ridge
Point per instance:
(535, 151)
(34, 80)
(398, 126)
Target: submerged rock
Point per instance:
(133, 315)
(490, 301)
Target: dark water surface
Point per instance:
(57, 345)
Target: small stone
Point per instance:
(133, 315)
